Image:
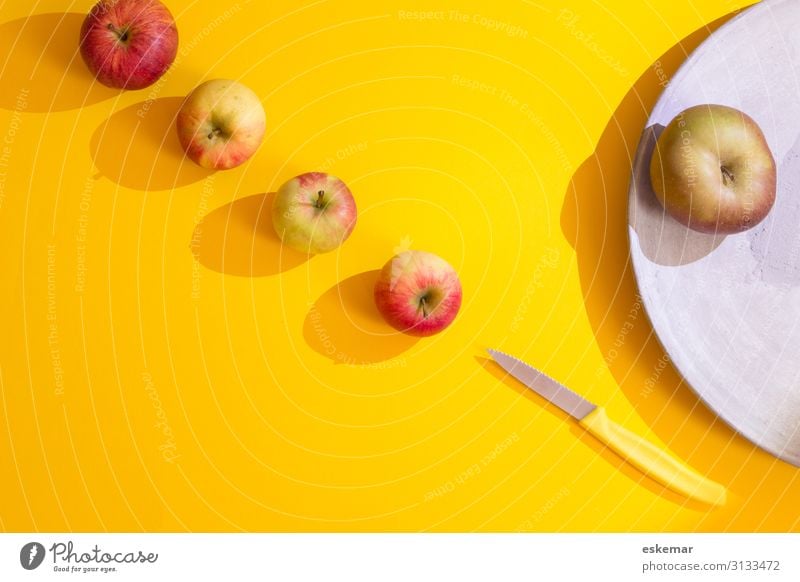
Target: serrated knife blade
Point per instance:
(553, 391)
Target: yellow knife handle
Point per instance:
(654, 462)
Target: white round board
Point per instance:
(727, 309)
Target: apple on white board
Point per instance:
(713, 171)
(418, 293)
(128, 44)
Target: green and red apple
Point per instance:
(418, 293)
(314, 212)
(713, 171)
(128, 44)
(221, 124)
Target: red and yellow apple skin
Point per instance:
(314, 212)
(713, 171)
(221, 124)
(128, 44)
(418, 293)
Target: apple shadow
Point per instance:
(579, 432)
(42, 69)
(238, 239)
(345, 326)
(661, 238)
(595, 223)
(137, 147)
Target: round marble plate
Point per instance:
(727, 309)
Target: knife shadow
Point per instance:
(635, 474)
(597, 446)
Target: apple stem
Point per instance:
(122, 33)
(727, 176)
(215, 131)
(320, 195)
(423, 302)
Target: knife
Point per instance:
(645, 456)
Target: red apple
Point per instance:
(713, 171)
(418, 293)
(314, 212)
(129, 44)
(221, 124)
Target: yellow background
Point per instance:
(166, 366)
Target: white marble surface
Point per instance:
(727, 310)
